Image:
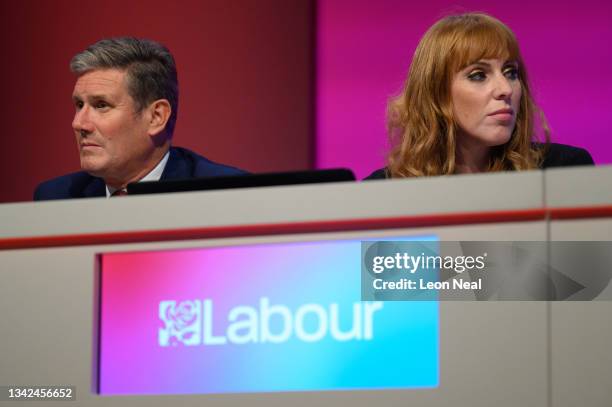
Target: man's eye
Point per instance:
(477, 76)
(101, 105)
(511, 73)
(78, 105)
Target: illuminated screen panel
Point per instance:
(259, 318)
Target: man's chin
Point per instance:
(94, 169)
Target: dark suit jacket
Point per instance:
(181, 164)
(558, 155)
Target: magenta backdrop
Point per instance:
(364, 49)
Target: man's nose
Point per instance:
(82, 122)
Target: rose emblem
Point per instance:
(182, 316)
(181, 323)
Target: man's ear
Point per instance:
(159, 113)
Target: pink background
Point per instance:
(364, 49)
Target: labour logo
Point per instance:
(182, 323)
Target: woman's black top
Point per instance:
(558, 155)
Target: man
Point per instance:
(126, 101)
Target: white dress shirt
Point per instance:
(154, 175)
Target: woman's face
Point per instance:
(485, 98)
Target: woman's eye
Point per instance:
(477, 76)
(511, 73)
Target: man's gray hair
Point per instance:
(150, 67)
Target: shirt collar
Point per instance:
(154, 175)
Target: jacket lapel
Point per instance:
(95, 188)
(177, 166)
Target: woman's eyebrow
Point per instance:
(485, 64)
(479, 64)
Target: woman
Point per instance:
(466, 106)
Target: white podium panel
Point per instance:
(490, 353)
(49, 299)
(581, 332)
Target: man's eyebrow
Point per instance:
(90, 97)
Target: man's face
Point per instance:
(112, 137)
